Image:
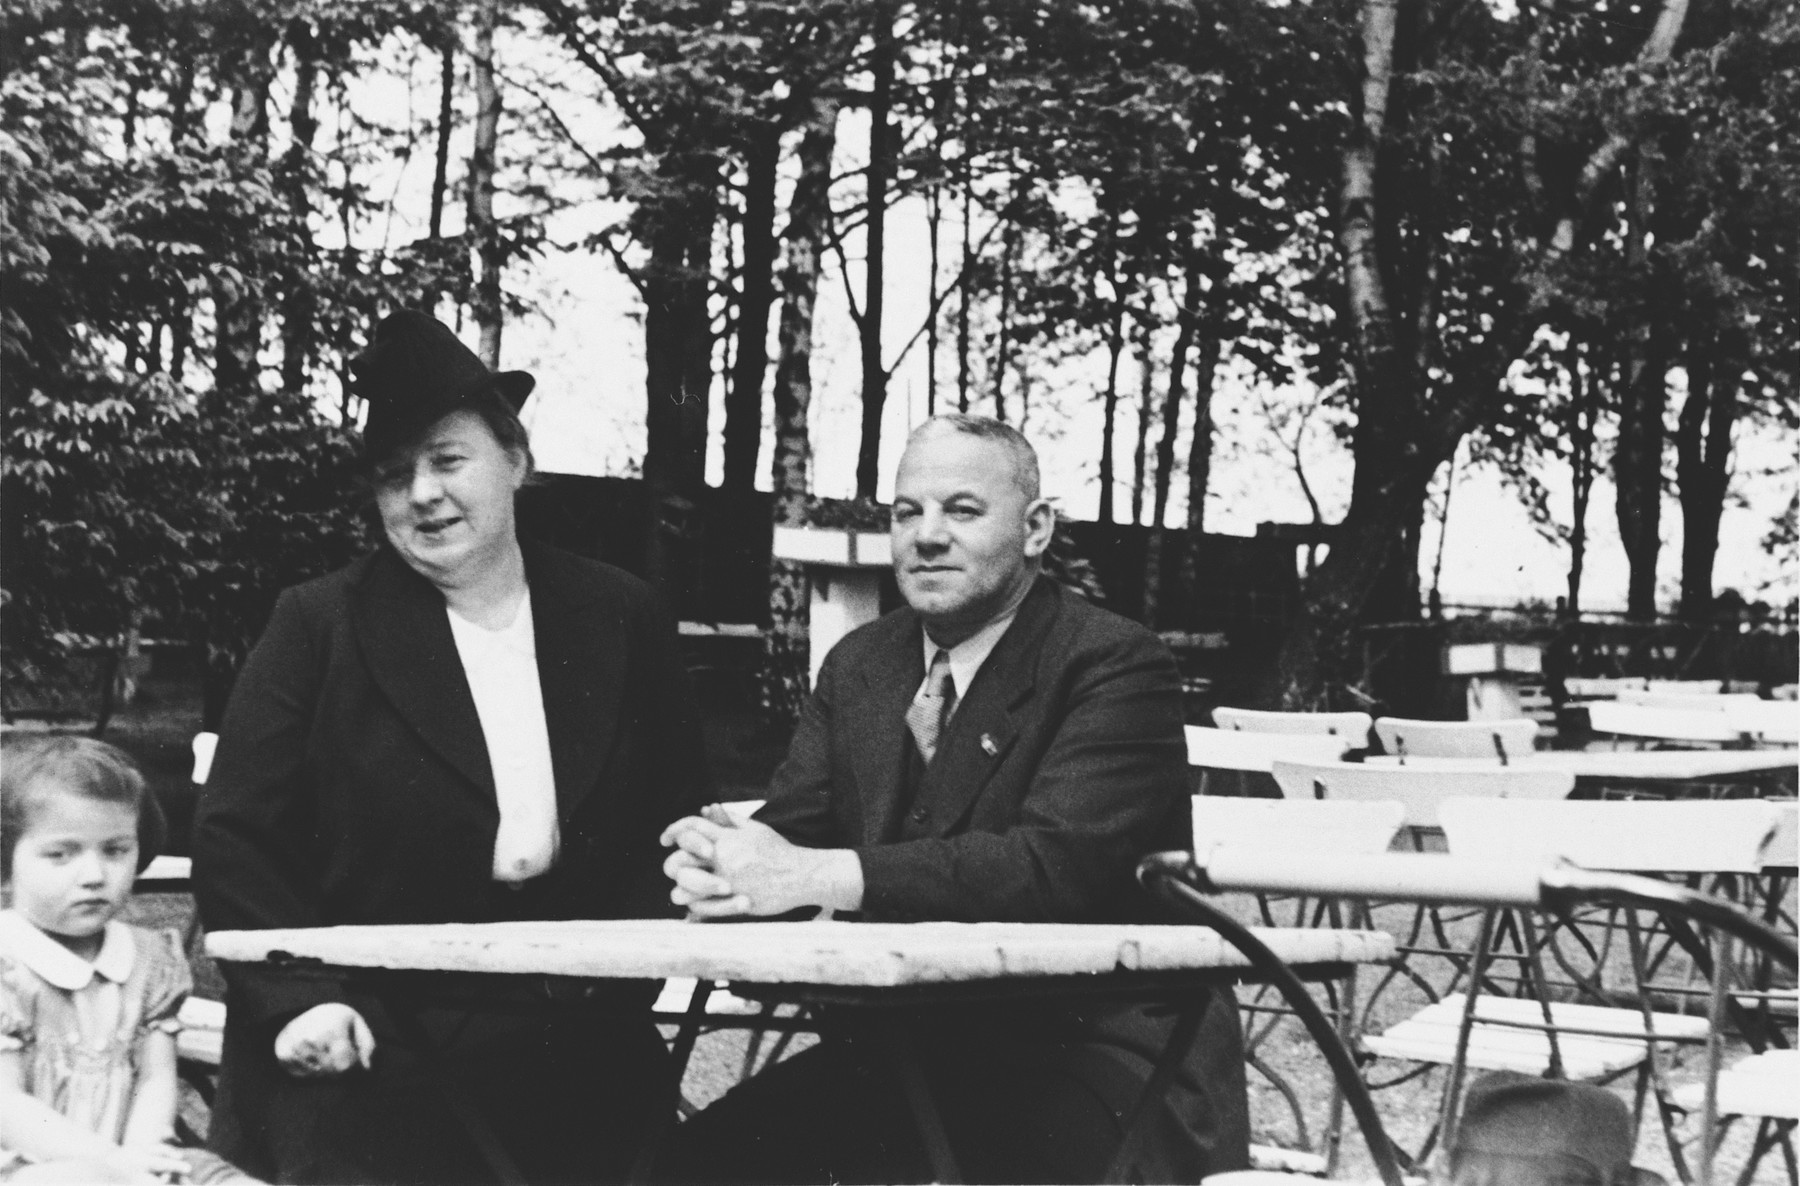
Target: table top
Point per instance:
(855, 954)
(1625, 763)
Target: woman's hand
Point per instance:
(325, 1040)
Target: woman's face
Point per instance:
(446, 501)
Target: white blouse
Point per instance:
(502, 669)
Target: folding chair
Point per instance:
(1420, 789)
(1500, 740)
(1353, 725)
(1769, 722)
(1589, 688)
(1714, 701)
(1583, 1026)
(1647, 724)
(1290, 827)
(1765, 1085)
(1226, 759)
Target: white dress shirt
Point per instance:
(966, 657)
(503, 675)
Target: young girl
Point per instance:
(87, 1004)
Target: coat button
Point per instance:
(920, 815)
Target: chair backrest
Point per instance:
(1229, 749)
(1353, 725)
(1765, 720)
(1703, 701)
(1296, 826)
(1690, 686)
(1420, 791)
(1499, 740)
(1590, 688)
(1638, 835)
(1666, 724)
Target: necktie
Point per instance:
(929, 710)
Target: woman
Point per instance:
(462, 727)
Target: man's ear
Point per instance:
(1040, 525)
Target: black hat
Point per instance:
(1518, 1130)
(415, 372)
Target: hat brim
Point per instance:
(514, 386)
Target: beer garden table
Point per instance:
(897, 970)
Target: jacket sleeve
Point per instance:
(1108, 786)
(800, 793)
(254, 865)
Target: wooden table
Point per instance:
(885, 966)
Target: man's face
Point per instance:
(966, 539)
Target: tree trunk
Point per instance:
(1115, 346)
(440, 171)
(1003, 356)
(237, 307)
(482, 226)
(881, 169)
(785, 652)
(1199, 462)
(299, 307)
(756, 299)
(1638, 455)
(1703, 465)
(967, 286)
(1165, 451)
(1582, 411)
(677, 362)
(1394, 459)
(1146, 413)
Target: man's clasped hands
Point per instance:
(726, 867)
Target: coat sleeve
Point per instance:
(254, 865)
(800, 794)
(1108, 786)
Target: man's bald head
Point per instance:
(1012, 442)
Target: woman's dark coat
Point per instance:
(352, 785)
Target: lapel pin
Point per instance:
(988, 746)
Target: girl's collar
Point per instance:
(23, 941)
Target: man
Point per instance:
(997, 750)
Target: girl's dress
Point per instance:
(79, 1027)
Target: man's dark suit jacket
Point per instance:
(352, 785)
(1062, 765)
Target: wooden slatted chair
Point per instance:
(1768, 722)
(1420, 790)
(1509, 1015)
(1704, 701)
(1692, 687)
(1499, 740)
(1577, 687)
(1353, 725)
(1690, 726)
(1220, 756)
(1764, 1086)
(1287, 827)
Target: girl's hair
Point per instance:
(33, 770)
